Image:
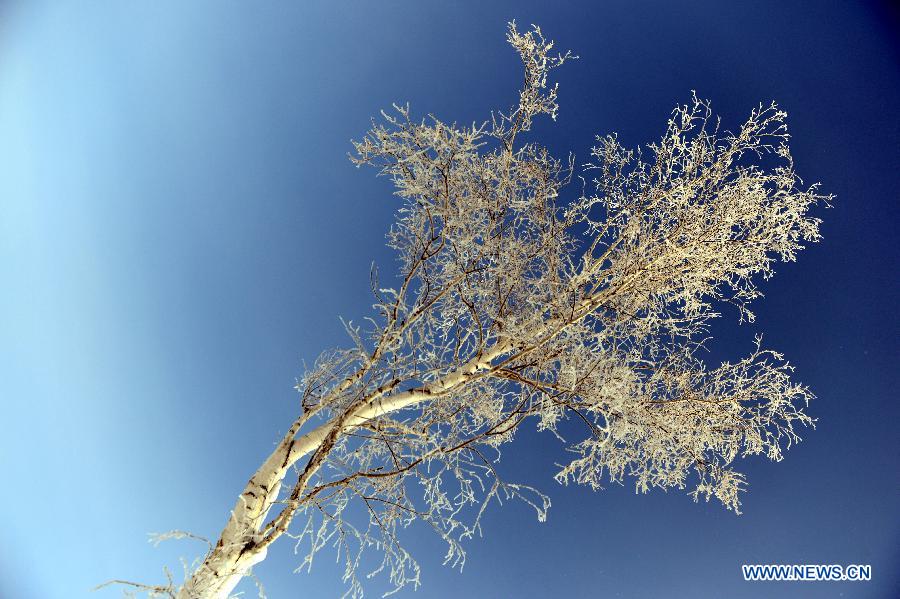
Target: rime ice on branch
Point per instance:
(514, 305)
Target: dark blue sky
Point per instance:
(180, 228)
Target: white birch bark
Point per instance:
(231, 559)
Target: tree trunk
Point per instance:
(236, 551)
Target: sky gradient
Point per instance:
(180, 229)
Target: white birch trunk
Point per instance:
(234, 555)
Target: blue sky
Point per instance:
(180, 229)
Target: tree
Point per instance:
(513, 305)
